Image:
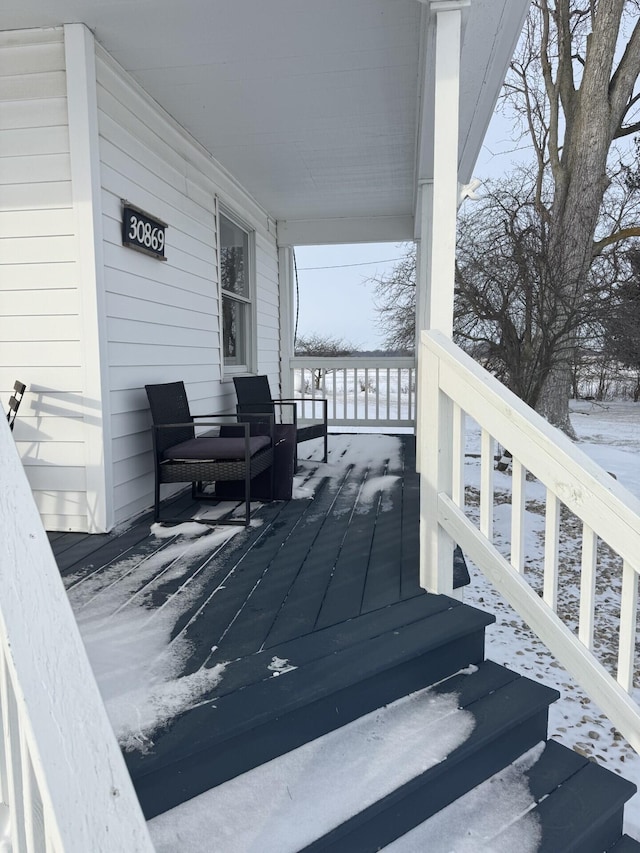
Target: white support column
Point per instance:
(423, 260)
(434, 298)
(423, 289)
(287, 313)
(436, 546)
(445, 163)
(86, 188)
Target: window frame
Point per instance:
(249, 361)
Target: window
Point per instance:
(236, 283)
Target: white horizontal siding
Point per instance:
(163, 317)
(36, 113)
(56, 194)
(47, 302)
(24, 87)
(35, 169)
(33, 425)
(44, 223)
(40, 328)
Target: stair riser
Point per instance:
(214, 764)
(423, 797)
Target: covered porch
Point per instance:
(250, 128)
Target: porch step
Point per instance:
(577, 805)
(344, 673)
(585, 814)
(282, 700)
(510, 714)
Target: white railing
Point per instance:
(452, 385)
(64, 786)
(360, 391)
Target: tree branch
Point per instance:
(624, 78)
(552, 92)
(616, 237)
(628, 130)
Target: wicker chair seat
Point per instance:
(215, 448)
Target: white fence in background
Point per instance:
(451, 385)
(64, 786)
(360, 391)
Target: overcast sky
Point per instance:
(334, 296)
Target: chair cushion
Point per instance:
(214, 449)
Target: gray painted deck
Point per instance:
(305, 565)
(314, 580)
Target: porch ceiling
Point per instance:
(322, 110)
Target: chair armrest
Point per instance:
(267, 416)
(313, 400)
(190, 424)
(247, 411)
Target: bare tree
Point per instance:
(395, 302)
(508, 299)
(622, 324)
(322, 346)
(511, 310)
(572, 86)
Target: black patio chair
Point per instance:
(14, 402)
(233, 452)
(254, 395)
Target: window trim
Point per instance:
(228, 371)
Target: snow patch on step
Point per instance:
(287, 803)
(495, 817)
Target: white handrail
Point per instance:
(63, 780)
(360, 390)
(449, 379)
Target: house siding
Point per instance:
(153, 321)
(162, 318)
(40, 301)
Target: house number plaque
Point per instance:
(142, 232)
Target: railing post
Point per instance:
(435, 436)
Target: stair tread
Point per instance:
(233, 713)
(582, 814)
(273, 799)
(625, 845)
(319, 643)
(556, 764)
(512, 797)
(255, 667)
(506, 709)
(556, 771)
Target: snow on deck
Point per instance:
(284, 805)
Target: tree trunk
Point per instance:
(592, 113)
(580, 183)
(554, 399)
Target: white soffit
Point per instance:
(312, 106)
